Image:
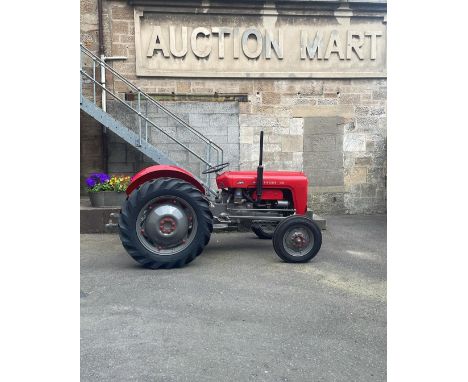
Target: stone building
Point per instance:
(310, 74)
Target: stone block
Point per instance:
(278, 130)
(296, 126)
(322, 125)
(264, 85)
(298, 157)
(323, 142)
(283, 156)
(327, 101)
(380, 94)
(231, 120)
(199, 120)
(122, 13)
(233, 134)
(380, 110)
(88, 21)
(161, 122)
(345, 111)
(88, 6)
(270, 98)
(218, 129)
(368, 190)
(219, 139)
(366, 124)
(319, 177)
(272, 138)
(328, 202)
(379, 159)
(246, 134)
(183, 87)
(179, 156)
(117, 152)
(323, 160)
(354, 142)
(122, 168)
(355, 175)
(273, 147)
(370, 145)
(126, 39)
(362, 110)
(349, 99)
(349, 126)
(244, 108)
(363, 161)
(292, 143)
(232, 153)
(377, 175)
(120, 27)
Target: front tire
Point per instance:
(297, 239)
(165, 223)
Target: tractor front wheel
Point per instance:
(165, 223)
(297, 239)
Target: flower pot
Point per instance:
(107, 198)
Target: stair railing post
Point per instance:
(208, 161)
(139, 118)
(94, 81)
(103, 83)
(81, 76)
(146, 122)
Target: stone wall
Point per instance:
(344, 157)
(218, 121)
(91, 148)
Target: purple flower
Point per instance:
(90, 182)
(96, 178)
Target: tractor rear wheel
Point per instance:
(264, 230)
(165, 223)
(297, 239)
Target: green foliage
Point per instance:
(114, 183)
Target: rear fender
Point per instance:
(163, 171)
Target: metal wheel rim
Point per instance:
(159, 248)
(297, 249)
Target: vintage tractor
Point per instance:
(168, 217)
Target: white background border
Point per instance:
(427, 152)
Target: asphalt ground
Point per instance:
(237, 312)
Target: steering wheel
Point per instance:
(216, 168)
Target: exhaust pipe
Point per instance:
(260, 170)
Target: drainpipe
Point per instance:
(102, 53)
(103, 57)
(105, 151)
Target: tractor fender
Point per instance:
(163, 171)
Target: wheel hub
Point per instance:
(298, 240)
(166, 225)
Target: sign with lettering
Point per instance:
(268, 46)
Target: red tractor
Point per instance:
(168, 217)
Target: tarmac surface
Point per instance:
(237, 312)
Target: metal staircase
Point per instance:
(133, 115)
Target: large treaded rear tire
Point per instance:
(139, 198)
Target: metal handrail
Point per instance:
(146, 119)
(153, 101)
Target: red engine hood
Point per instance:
(292, 180)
